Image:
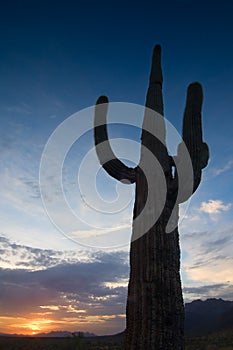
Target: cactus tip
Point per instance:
(195, 85)
(101, 100)
(195, 91)
(157, 52)
(157, 48)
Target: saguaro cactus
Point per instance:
(155, 312)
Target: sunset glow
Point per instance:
(24, 325)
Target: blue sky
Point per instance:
(56, 59)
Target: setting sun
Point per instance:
(23, 325)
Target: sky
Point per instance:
(64, 250)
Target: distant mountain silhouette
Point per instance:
(63, 334)
(211, 315)
(52, 334)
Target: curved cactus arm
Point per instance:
(107, 158)
(192, 135)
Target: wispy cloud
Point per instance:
(219, 290)
(225, 168)
(214, 206)
(21, 108)
(208, 257)
(18, 256)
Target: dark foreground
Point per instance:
(215, 341)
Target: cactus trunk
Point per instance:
(155, 311)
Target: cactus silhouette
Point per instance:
(155, 311)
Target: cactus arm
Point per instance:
(192, 134)
(113, 166)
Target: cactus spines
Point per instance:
(155, 311)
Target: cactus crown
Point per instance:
(191, 134)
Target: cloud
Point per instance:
(64, 288)
(21, 108)
(219, 290)
(207, 257)
(31, 186)
(227, 167)
(214, 206)
(87, 290)
(75, 293)
(19, 177)
(18, 256)
(212, 215)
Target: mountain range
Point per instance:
(211, 315)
